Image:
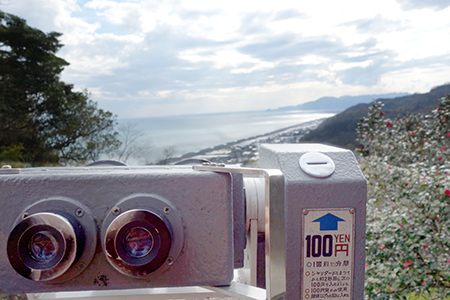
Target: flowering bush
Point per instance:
(407, 164)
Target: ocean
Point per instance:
(191, 133)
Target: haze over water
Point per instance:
(191, 133)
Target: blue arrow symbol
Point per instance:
(328, 222)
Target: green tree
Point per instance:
(38, 111)
(406, 162)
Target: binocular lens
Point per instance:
(43, 246)
(138, 242)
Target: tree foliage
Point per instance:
(407, 163)
(38, 111)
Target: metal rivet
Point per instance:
(352, 210)
(25, 215)
(166, 209)
(169, 260)
(305, 212)
(79, 212)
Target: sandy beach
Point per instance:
(244, 152)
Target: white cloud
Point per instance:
(143, 57)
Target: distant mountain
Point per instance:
(340, 130)
(339, 104)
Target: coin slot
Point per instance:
(317, 164)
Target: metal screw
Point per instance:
(79, 212)
(25, 215)
(305, 212)
(166, 209)
(81, 265)
(116, 211)
(169, 260)
(352, 210)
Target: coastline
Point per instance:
(244, 152)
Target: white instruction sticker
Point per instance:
(328, 247)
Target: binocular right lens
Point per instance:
(138, 242)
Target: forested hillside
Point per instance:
(340, 130)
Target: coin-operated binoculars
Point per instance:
(102, 228)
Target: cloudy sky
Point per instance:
(142, 58)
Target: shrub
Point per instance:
(406, 162)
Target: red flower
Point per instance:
(371, 139)
(447, 192)
(439, 109)
(407, 183)
(389, 124)
(413, 133)
(401, 225)
(439, 158)
(382, 246)
(407, 263)
(425, 246)
(445, 119)
(361, 147)
(389, 167)
(443, 148)
(448, 134)
(393, 207)
(448, 260)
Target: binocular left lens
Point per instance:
(43, 246)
